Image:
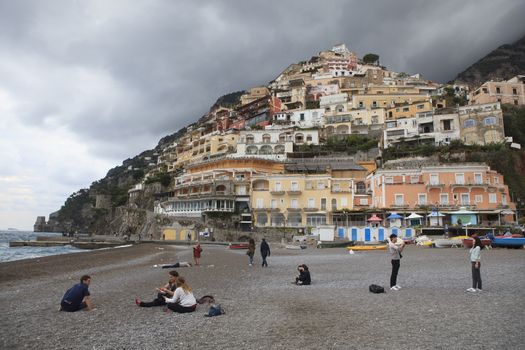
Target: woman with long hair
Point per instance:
(183, 300)
(475, 261)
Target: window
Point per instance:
(315, 220)
(490, 121)
(274, 203)
(311, 203)
(308, 185)
(422, 198)
(434, 179)
(344, 202)
(498, 90)
(301, 117)
(262, 219)
(460, 179)
(363, 201)
(399, 199)
(389, 180)
(320, 185)
(295, 203)
(323, 203)
(334, 204)
(420, 106)
(496, 180)
(414, 179)
(266, 138)
(277, 186)
(478, 179)
(503, 199)
(295, 186)
(406, 109)
(260, 203)
(478, 198)
(309, 138)
(492, 198)
(241, 190)
(469, 123)
(465, 199)
(447, 125)
(514, 91)
(443, 199)
(249, 138)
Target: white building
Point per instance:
(334, 104)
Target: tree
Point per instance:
(370, 58)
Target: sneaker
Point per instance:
(394, 288)
(155, 265)
(250, 264)
(137, 301)
(479, 290)
(398, 287)
(471, 290)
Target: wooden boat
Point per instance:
(295, 247)
(447, 243)
(510, 242)
(238, 246)
(408, 240)
(367, 247)
(335, 244)
(469, 242)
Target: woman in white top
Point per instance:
(475, 261)
(183, 299)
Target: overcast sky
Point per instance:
(86, 84)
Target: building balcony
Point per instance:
(218, 210)
(294, 192)
(312, 209)
(431, 185)
(260, 189)
(272, 210)
(277, 192)
(400, 205)
(293, 210)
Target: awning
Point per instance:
(435, 214)
(506, 212)
(394, 216)
(414, 216)
(374, 217)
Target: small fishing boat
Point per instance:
(469, 242)
(335, 244)
(509, 242)
(295, 247)
(238, 246)
(447, 243)
(367, 247)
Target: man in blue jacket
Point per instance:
(77, 297)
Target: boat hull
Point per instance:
(508, 242)
(367, 247)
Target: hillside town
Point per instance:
(308, 149)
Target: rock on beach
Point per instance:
(263, 309)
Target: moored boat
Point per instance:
(447, 243)
(238, 246)
(367, 247)
(335, 244)
(469, 242)
(510, 242)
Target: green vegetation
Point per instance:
(74, 205)
(349, 145)
(312, 104)
(370, 58)
(451, 99)
(162, 177)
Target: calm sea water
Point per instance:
(18, 253)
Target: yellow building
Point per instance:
(204, 147)
(386, 100)
(301, 200)
(408, 110)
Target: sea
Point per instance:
(18, 253)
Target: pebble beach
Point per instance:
(263, 309)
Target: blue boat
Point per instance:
(510, 242)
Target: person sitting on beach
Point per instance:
(167, 290)
(183, 300)
(176, 265)
(77, 297)
(304, 276)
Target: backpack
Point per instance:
(374, 288)
(215, 310)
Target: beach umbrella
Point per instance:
(394, 216)
(375, 218)
(435, 214)
(414, 216)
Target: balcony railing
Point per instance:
(277, 192)
(294, 192)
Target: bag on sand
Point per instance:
(215, 310)
(374, 288)
(207, 299)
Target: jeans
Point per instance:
(181, 309)
(476, 276)
(251, 259)
(159, 301)
(264, 262)
(395, 270)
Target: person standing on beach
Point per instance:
(166, 291)
(265, 252)
(395, 253)
(251, 250)
(475, 262)
(197, 250)
(77, 297)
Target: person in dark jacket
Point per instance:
(265, 252)
(77, 297)
(251, 250)
(167, 291)
(304, 276)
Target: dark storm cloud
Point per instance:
(121, 75)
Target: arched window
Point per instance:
(266, 138)
(492, 136)
(342, 129)
(299, 138)
(277, 219)
(295, 219)
(279, 149)
(282, 137)
(469, 123)
(360, 187)
(334, 203)
(252, 150)
(309, 138)
(249, 138)
(262, 219)
(266, 149)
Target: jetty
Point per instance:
(76, 244)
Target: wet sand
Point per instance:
(264, 310)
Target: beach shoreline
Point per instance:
(263, 310)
